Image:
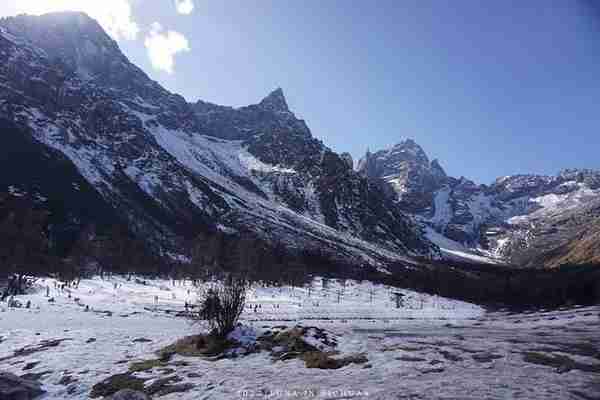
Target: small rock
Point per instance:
(432, 371)
(90, 340)
(486, 357)
(181, 388)
(563, 368)
(30, 365)
(128, 394)
(450, 356)
(116, 383)
(66, 380)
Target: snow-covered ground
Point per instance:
(454, 250)
(428, 348)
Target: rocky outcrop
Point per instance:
(270, 115)
(14, 388)
(567, 236)
(407, 170)
(275, 102)
(347, 157)
(128, 394)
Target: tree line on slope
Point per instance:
(501, 285)
(29, 248)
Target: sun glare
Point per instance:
(114, 15)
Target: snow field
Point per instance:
(469, 355)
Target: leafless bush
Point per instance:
(222, 304)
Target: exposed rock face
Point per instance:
(406, 168)
(529, 220)
(347, 157)
(551, 236)
(577, 250)
(172, 169)
(14, 388)
(275, 102)
(307, 169)
(270, 115)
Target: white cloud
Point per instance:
(184, 6)
(115, 16)
(162, 46)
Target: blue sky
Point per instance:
(490, 88)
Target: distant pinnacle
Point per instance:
(275, 101)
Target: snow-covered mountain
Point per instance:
(406, 168)
(519, 219)
(94, 135)
(98, 140)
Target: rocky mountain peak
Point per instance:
(60, 30)
(408, 150)
(401, 157)
(437, 169)
(347, 157)
(275, 101)
(72, 40)
(406, 169)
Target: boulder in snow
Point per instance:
(13, 387)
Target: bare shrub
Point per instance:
(222, 304)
